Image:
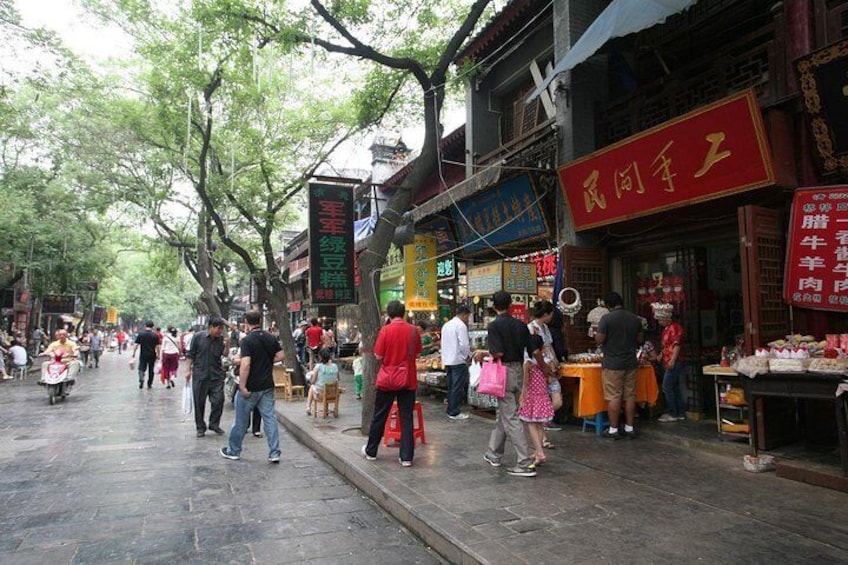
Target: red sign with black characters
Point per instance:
(817, 253)
(331, 262)
(714, 151)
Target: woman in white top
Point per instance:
(543, 311)
(170, 357)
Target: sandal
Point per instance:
(540, 460)
(548, 445)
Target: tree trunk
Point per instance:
(205, 267)
(378, 247)
(278, 303)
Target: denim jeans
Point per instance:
(264, 400)
(672, 386)
(457, 377)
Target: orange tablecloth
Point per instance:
(590, 396)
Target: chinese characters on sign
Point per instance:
(711, 152)
(446, 268)
(331, 278)
(817, 254)
(393, 267)
(59, 304)
(519, 278)
(508, 213)
(420, 276)
(485, 280)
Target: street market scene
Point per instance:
(474, 281)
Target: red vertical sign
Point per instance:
(817, 253)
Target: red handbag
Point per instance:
(395, 377)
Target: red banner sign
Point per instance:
(817, 254)
(714, 151)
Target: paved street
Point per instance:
(116, 475)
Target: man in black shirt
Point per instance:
(207, 375)
(508, 339)
(148, 341)
(259, 351)
(620, 333)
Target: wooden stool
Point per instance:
(329, 396)
(392, 429)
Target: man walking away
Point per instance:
(96, 342)
(259, 351)
(620, 333)
(148, 342)
(456, 350)
(508, 339)
(207, 375)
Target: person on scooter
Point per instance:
(67, 347)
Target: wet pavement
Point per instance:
(115, 474)
(648, 500)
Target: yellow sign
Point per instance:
(112, 316)
(420, 274)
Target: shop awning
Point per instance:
(620, 18)
(472, 185)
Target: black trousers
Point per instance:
(382, 407)
(213, 389)
(146, 364)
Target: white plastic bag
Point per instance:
(188, 400)
(474, 374)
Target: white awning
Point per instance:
(620, 18)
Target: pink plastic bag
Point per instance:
(492, 379)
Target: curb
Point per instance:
(426, 529)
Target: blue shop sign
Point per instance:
(508, 213)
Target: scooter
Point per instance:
(58, 376)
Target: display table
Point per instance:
(799, 386)
(590, 397)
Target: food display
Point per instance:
(835, 366)
(796, 353)
(585, 358)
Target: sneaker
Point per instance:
(217, 430)
(610, 435)
(225, 453)
(665, 418)
(460, 416)
(274, 459)
(491, 460)
(553, 428)
(522, 471)
(681, 418)
(404, 463)
(201, 434)
(365, 454)
(631, 435)
(257, 434)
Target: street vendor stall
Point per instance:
(590, 396)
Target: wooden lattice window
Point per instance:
(585, 268)
(520, 117)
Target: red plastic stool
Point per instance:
(392, 429)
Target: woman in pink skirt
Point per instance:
(536, 409)
(170, 357)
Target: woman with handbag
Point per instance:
(398, 344)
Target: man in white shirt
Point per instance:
(455, 353)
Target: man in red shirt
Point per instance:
(313, 341)
(672, 361)
(398, 343)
